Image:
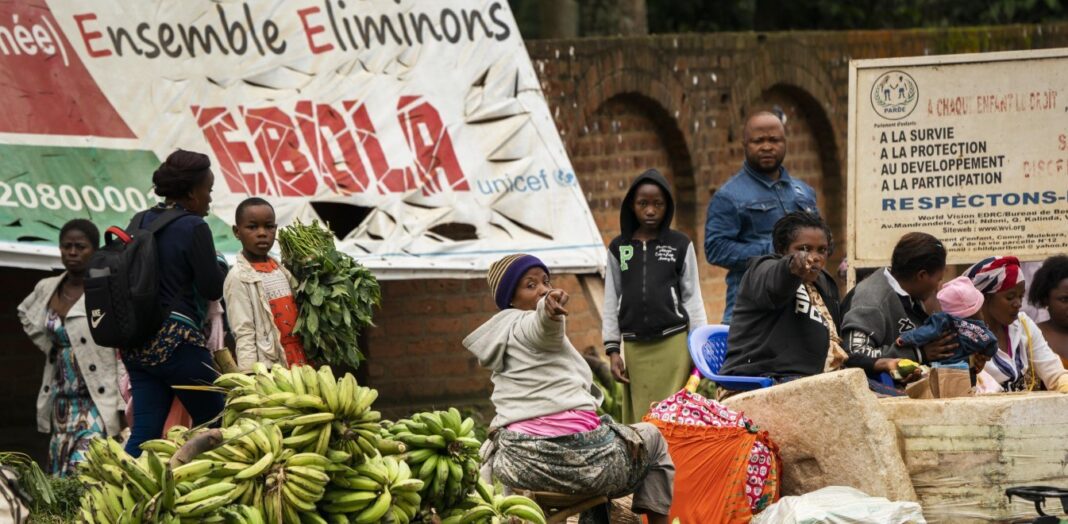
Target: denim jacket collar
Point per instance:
(784, 175)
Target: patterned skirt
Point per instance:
(75, 419)
(609, 460)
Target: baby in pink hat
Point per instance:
(961, 303)
(960, 299)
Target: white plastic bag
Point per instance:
(840, 505)
(13, 509)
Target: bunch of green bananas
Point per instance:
(297, 446)
(443, 451)
(292, 491)
(165, 448)
(121, 489)
(379, 490)
(302, 401)
(239, 514)
(254, 467)
(487, 505)
(255, 463)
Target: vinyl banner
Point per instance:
(416, 129)
(972, 149)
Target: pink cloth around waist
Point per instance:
(558, 424)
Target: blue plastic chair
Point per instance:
(708, 349)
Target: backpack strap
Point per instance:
(114, 232)
(135, 222)
(159, 223)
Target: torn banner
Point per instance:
(418, 130)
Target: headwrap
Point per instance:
(960, 298)
(995, 274)
(505, 273)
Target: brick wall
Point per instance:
(415, 354)
(621, 104)
(676, 103)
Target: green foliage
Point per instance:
(700, 16)
(54, 499)
(674, 16)
(481, 424)
(706, 388)
(613, 399)
(31, 479)
(336, 295)
(527, 17)
(50, 518)
(767, 15)
(68, 492)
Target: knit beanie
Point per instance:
(960, 298)
(505, 273)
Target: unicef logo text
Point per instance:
(894, 95)
(542, 181)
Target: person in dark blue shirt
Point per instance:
(190, 276)
(742, 214)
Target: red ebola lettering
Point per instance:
(234, 155)
(366, 135)
(430, 141)
(341, 167)
(287, 155)
(277, 141)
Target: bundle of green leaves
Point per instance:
(33, 482)
(336, 295)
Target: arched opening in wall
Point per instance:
(626, 135)
(811, 155)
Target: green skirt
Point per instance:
(657, 370)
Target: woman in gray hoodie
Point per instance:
(546, 435)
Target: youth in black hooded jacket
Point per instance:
(651, 289)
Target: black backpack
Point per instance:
(122, 287)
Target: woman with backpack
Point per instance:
(189, 277)
(79, 396)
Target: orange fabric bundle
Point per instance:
(712, 470)
(178, 416)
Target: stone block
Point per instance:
(830, 432)
(962, 453)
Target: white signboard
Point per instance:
(972, 149)
(419, 127)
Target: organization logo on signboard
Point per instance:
(894, 95)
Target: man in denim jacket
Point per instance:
(743, 212)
